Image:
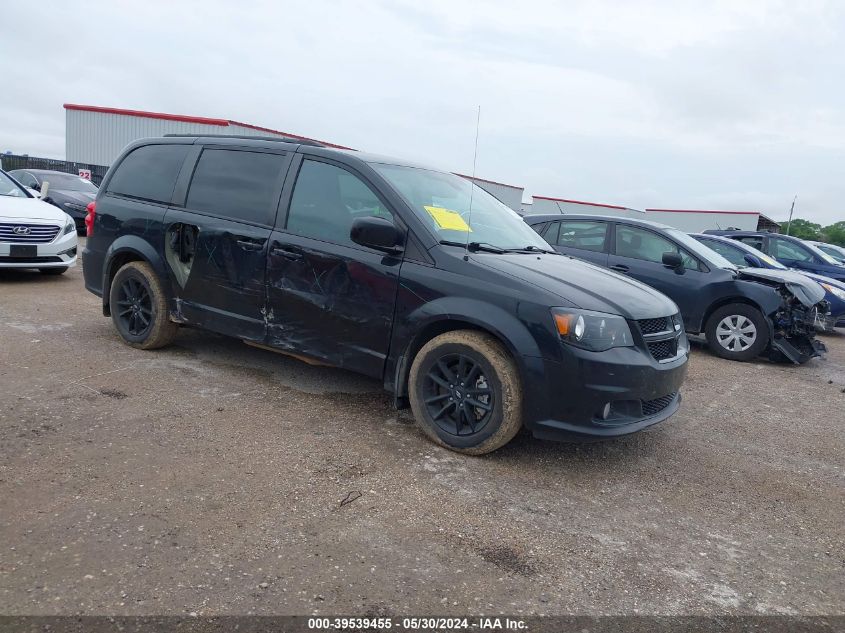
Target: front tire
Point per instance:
(737, 332)
(465, 392)
(139, 307)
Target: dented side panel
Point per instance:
(216, 270)
(331, 302)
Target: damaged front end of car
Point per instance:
(802, 311)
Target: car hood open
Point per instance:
(583, 284)
(807, 291)
(25, 209)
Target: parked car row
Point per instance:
(742, 312)
(68, 192)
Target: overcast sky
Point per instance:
(711, 105)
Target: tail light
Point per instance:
(89, 218)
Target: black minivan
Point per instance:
(410, 275)
(741, 312)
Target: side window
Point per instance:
(753, 241)
(734, 255)
(27, 180)
(784, 249)
(643, 244)
(236, 184)
(588, 236)
(149, 172)
(325, 201)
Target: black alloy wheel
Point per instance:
(135, 307)
(457, 395)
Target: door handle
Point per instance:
(287, 253)
(249, 245)
(620, 268)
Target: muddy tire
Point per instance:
(58, 270)
(737, 332)
(465, 392)
(139, 307)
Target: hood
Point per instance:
(826, 280)
(79, 197)
(25, 209)
(582, 284)
(807, 291)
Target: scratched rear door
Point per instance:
(216, 244)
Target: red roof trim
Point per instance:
(149, 115)
(191, 119)
(592, 204)
(492, 182)
(701, 211)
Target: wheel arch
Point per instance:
(130, 248)
(504, 327)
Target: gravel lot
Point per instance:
(211, 478)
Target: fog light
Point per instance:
(605, 412)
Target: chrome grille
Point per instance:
(652, 326)
(653, 407)
(28, 233)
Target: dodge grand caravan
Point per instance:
(410, 275)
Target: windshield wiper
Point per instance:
(474, 247)
(531, 249)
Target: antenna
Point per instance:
(472, 191)
(791, 209)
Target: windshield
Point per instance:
(820, 253)
(68, 182)
(442, 201)
(696, 247)
(834, 251)
(9, 188)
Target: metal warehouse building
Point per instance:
(689, 220)
(544, 204)
(96, 135)
(695, 221)
(511, 195)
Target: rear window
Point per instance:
(149, 172)
(236, 184)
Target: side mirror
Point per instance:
(752, 260)
(36, 186)
(376, 233)
(674, 261)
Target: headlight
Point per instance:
(836, 292)
(594, 331)
(70, 225)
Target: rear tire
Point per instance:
(737, 332)
(139, 307)
(466, 393)
(58, 270)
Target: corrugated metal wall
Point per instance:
(98, 138)
(511, 196)
(693, 222)
(545, 205)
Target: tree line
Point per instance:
(806, 230)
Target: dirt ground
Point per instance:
(212, 478)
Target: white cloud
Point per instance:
(642, 103)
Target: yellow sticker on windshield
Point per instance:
(768, 259)
(448, 219)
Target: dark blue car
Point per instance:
(741, 312)
(742, 255)
(789, 251)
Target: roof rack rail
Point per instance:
(280, 139)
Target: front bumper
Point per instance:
(60, 253)
(641, 391)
